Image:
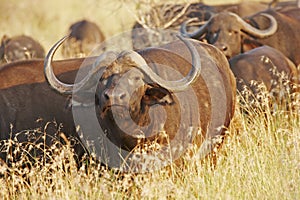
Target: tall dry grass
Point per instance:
(259, 159)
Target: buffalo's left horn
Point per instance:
(178, 85)
(64, 88)
(258, 32)
(198, 33)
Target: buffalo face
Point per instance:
(124, 98)
(20, 47)
(225, 36)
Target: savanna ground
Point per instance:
(260, 157)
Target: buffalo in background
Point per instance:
(20, 47)
(234, 35)
(84, 36)
(261, 48)
(265, 65)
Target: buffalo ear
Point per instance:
(157, 95)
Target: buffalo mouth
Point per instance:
(119, 127)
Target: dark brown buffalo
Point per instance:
(234, 35)
(162, 23)
(27, 103)
(24, 102)
(20, 48)
(84, 35)
(265, 65)
(135, 82)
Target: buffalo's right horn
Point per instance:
(175, 86)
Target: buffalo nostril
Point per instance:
(114, 95)
(106, 95)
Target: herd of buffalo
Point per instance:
(194, 76)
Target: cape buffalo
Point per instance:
(126, 95)
(20, 47)
(84, 35)
(234, 35)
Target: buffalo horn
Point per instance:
(175, 86)
(245, 26)
(198, 33)
(258, 32)
(64, 88)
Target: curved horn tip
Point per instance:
(183, 28)
(48, 71)
(258, 32)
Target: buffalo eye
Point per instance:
(136, 78)
(212, 37)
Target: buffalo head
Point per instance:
(225, 30)
(20, 47)
(84, 35)
(127, 89)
